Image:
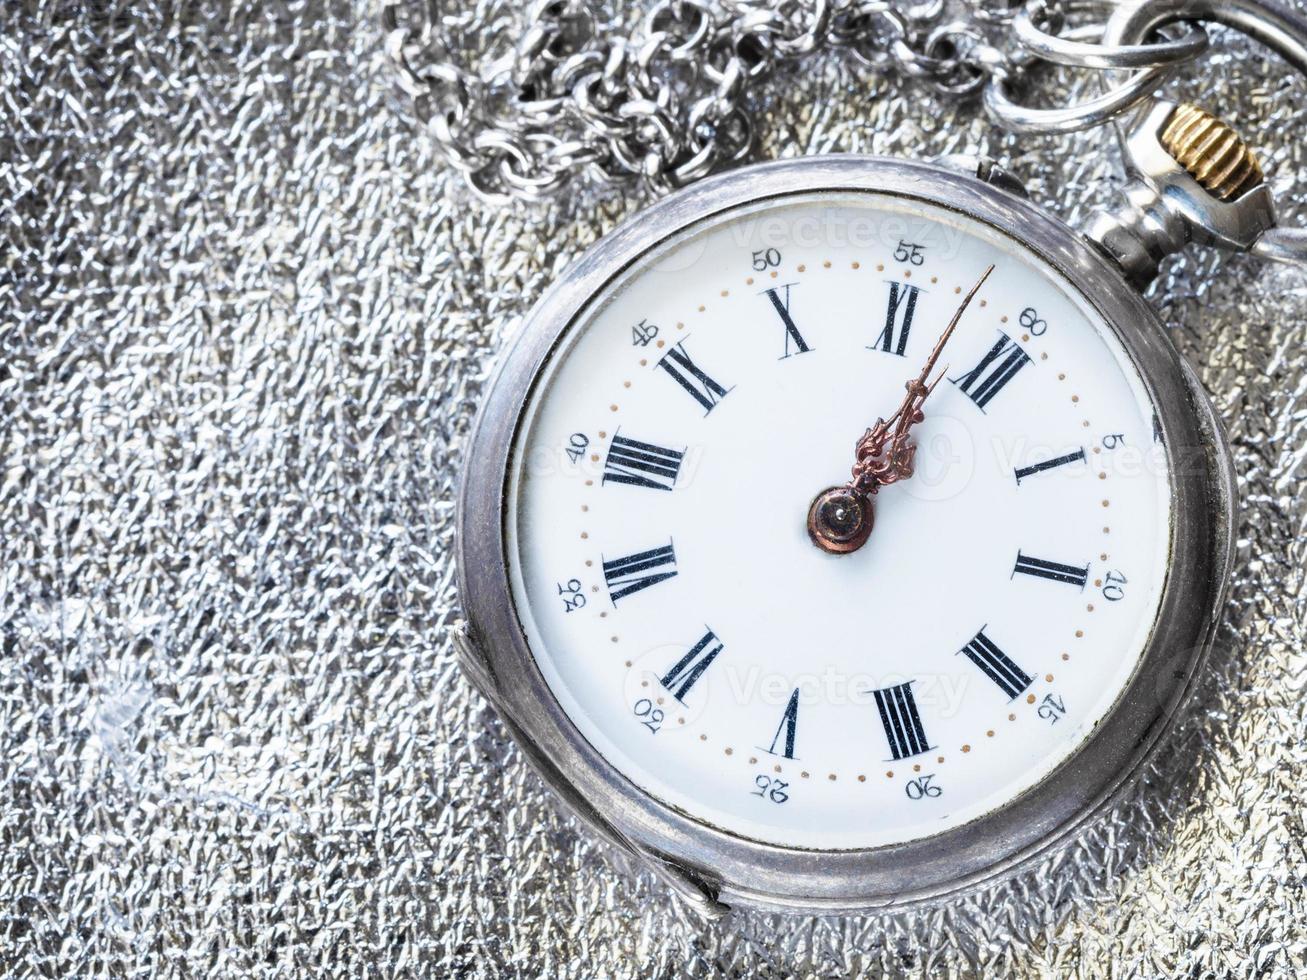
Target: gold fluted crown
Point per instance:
(1211, 151)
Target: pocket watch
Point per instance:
(843, 532)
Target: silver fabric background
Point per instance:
(245, 317)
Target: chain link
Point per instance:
(664, 104)
(668, 102)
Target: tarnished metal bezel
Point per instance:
(706, 860)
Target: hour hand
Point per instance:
(884, 454)
(840, 518)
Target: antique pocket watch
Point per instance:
(844, 531)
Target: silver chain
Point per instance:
(665, 103)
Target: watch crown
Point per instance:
(1211, 151)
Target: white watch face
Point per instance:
(662, 568)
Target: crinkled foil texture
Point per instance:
(245, 319)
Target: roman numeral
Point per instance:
(707, 392)
(789, 723)
(902, 306)
(1048, 464)
(999, 366)
(690, 668)
(898, 713)
(1054, 570)
(997, 665)
(782, 307)
(641, 464)
(626, 576)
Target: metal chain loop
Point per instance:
(570, 91)
(1041, 29)
(572, 94)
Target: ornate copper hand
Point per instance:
(840, 519)
(884, 455)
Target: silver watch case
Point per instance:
(714, 869)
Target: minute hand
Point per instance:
(884, 454)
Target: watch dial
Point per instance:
(666, 581)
